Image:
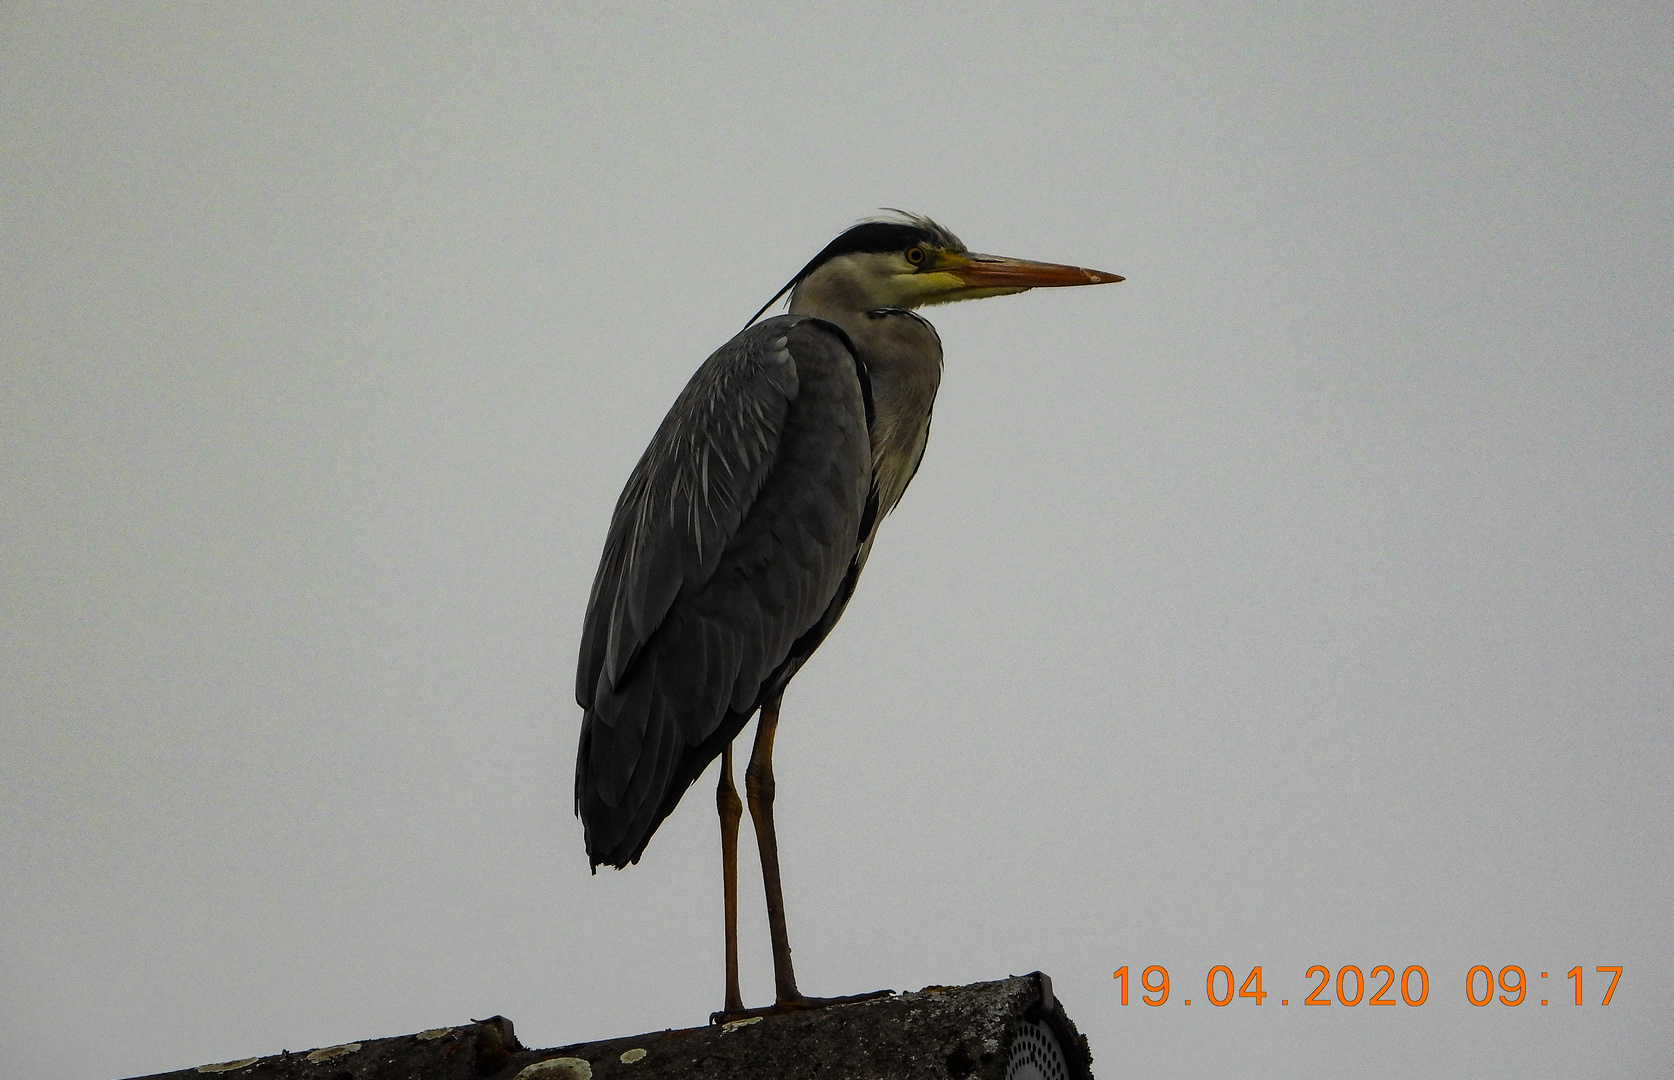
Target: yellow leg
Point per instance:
(759, 789)
(731, 810)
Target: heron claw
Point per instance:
(791, 1005)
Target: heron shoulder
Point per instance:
(702, 473)
(814, 338)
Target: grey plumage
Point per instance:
(730, 555)
(744, 527)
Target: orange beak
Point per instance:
(999, 272)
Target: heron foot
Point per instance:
(796, 1004)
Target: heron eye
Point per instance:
(915, 256)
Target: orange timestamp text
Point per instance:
(1352, 985)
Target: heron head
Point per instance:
(909, 261)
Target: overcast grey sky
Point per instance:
(1305, 599)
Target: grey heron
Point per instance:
(739, 537)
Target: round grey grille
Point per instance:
(1036, 1055)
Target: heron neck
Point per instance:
(903, 358)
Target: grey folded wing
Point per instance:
(730, 542)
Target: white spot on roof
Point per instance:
(564, 1068)
(227, 1066)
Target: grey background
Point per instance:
(1305, 599)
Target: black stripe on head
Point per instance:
(880, 235)
(884, 235)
